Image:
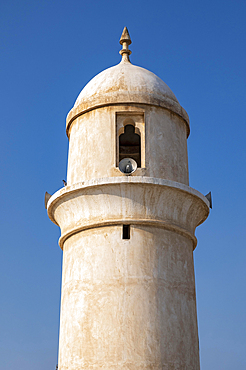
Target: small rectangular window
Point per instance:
(126, 232)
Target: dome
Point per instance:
(125, 83)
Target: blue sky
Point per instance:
(49, 51)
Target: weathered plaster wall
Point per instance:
(136, 200)
(92, 147)
(128, 304)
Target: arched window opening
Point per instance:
(129, 145)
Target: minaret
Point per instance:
(128, 289)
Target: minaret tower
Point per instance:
(128, 289)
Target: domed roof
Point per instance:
(125, 83)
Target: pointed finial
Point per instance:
(125, 40)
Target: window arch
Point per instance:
(130, 144)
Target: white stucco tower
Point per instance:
(128, 290)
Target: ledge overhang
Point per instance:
(136, 200)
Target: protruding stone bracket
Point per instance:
(46, 199)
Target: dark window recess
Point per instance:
(129, 145)
(126, 232)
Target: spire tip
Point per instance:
(125, 41)
(125, 37)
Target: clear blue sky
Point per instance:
(49, 51)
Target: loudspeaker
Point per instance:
(128, 166)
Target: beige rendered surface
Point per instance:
(128, 200)
(93, 144)
(126, 83)
(128, 303)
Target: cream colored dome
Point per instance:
(125, 83)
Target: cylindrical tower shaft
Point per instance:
(128, 300)
(128, 303)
